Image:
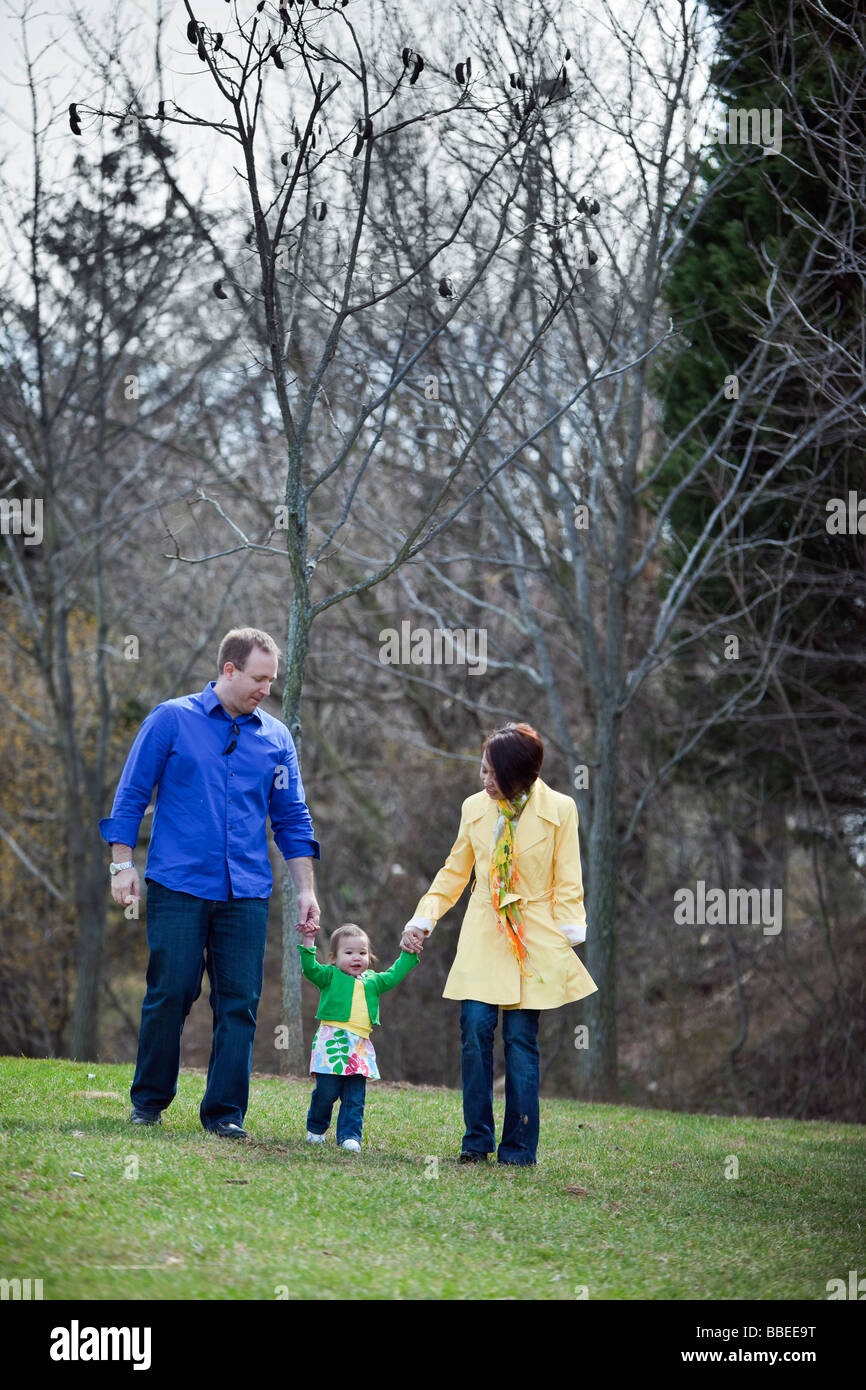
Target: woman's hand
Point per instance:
(412, 940)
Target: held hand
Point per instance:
(412, 940)
(308, 931)
(125, 887)
(308, 912)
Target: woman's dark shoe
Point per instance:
(468, 1156)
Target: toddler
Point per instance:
(343, 1055)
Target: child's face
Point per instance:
(353, 956)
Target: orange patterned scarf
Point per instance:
(504, 879)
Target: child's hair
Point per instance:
(348, 929)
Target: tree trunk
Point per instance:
(90, 890)
(292, 1056)
(597, 1064)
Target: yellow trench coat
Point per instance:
(550, 888)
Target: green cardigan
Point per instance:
(337, 987)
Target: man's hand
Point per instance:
(412, 940)
(307, 931)
(308, 912)
(125, 887)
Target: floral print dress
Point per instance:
(344, 1053)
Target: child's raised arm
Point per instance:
(320, 975)
(387, 979)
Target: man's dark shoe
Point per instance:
(230, 1131)
(145, 1117)
(468, 1156)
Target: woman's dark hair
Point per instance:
(515, 752)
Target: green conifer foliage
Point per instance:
(767, 287)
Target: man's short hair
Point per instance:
(237, 645)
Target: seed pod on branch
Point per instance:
(463, 72)
(365, 132)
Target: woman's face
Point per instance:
(488, 777)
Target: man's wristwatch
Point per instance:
(118, 868)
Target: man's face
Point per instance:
(247, 688)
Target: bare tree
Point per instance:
(90, 295)
(586, 548)
(338, 279)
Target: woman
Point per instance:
(525, 914)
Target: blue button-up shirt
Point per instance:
(209, 835)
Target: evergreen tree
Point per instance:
(768, 288)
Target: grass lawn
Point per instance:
(99, 1210)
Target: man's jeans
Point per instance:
(186, 934)
(351, 1091)
(478, 1021)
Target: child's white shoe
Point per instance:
(315, 1138)
(352, 1145)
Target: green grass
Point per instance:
(173, 1213)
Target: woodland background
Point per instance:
(326, 317)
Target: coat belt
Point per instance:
(544, 897)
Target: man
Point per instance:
(220, 766)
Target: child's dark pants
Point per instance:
(351, 1092)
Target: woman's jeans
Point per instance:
(478, 1021)
(351, 1092)
(186, 934)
